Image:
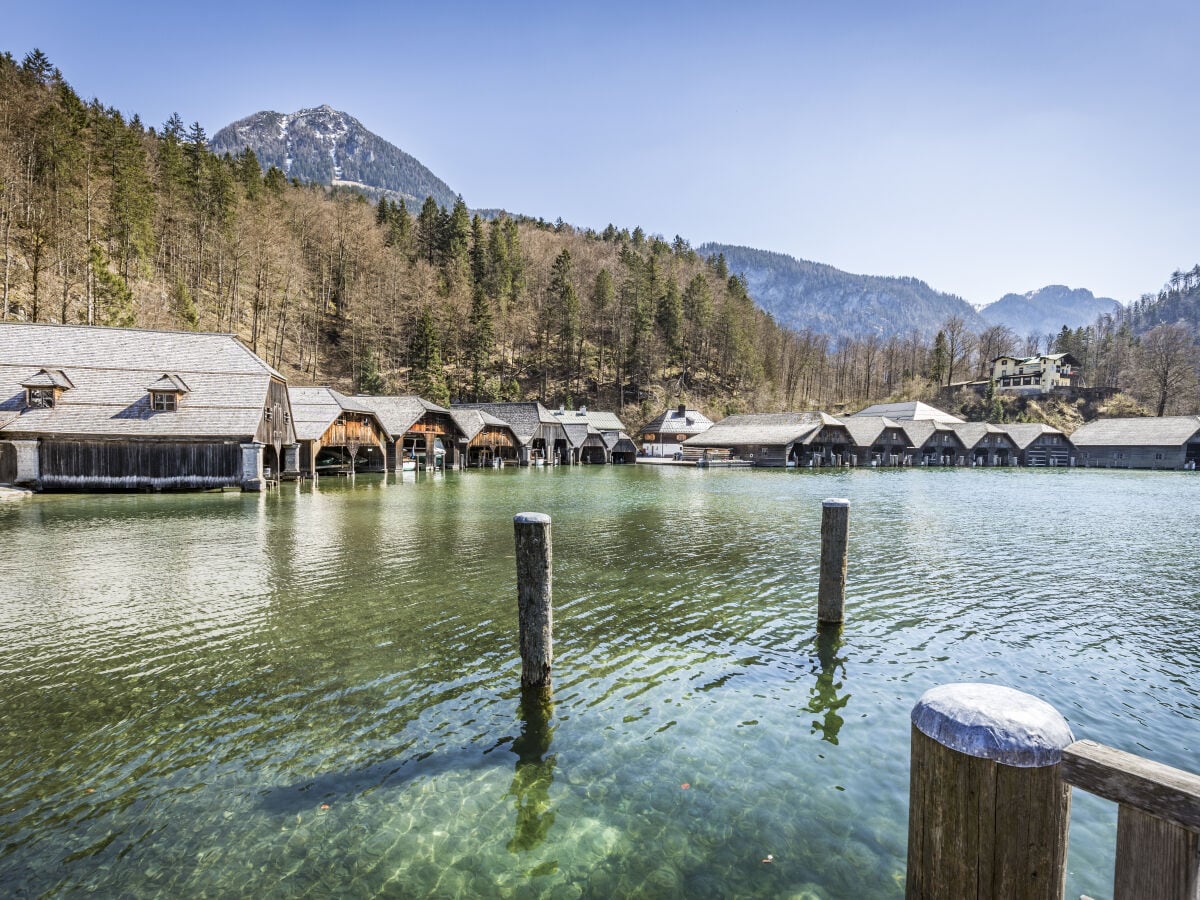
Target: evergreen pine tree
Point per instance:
(370, 379)
(564, 311)
(429, 232)
(516, 262)
(185, 308)
(383, 212)
(275, 181)
(114, 299)
(479, 342)
(940, 362)
(670, 315)
(425, 358)
(478, 252)
(456, 244)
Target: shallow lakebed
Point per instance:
(314, 690)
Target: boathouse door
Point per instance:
(8, 463)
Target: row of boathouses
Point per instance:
(86, 408)
(915, 434)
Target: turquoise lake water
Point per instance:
(315, 691)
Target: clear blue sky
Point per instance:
(985, 147)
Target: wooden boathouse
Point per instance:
(336, 434)
(878, 440)
(665, 434)
(484, 440)
(775, 440)
(985, 444)
(935, 443)
(418, 431)
(88, 408)
(1040, 445)
(1166, 442)
(599, 436)
(539, 434)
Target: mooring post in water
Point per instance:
(988, 810)
(534, 597)
(831, 590)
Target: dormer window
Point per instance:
(40, 398)
(162, 401)
(43, 389)
(166, 393)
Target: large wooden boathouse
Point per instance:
(337, 435)
(1167, 442)
(87, 408)
(599, 437)
(419, 432)
(665, 434)
(484, 440)
(539, 434)
(776, 440)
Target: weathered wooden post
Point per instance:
(534, 597)
(831, 590)
(988, 810)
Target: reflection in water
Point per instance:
(534, 771)
(829, 669)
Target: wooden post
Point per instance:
(534, 597)
(988, 810)
(831, 591)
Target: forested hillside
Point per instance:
(106, 221)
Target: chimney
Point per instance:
(682, 410)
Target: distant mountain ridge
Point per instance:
(326, 146)
(1047, 310)
(802, 294)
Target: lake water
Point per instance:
(314, 691)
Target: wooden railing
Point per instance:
(1158, 819)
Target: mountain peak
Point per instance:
(804, 294)
(324, 145)
(1047, 309)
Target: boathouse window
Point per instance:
(40, 398)
(163, 401)
(268, 414)
(1158, 456)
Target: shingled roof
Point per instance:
(772, 429)
(1025, 433)
(103, 374)
(314, 409)
(472, 421)
(971, 433)
(673, 421)
(526, 418)
(865, 430)
(1164, 431)
(397, 414)
(600, 421)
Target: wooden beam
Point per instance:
(1163, 791)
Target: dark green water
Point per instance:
(313, 692)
